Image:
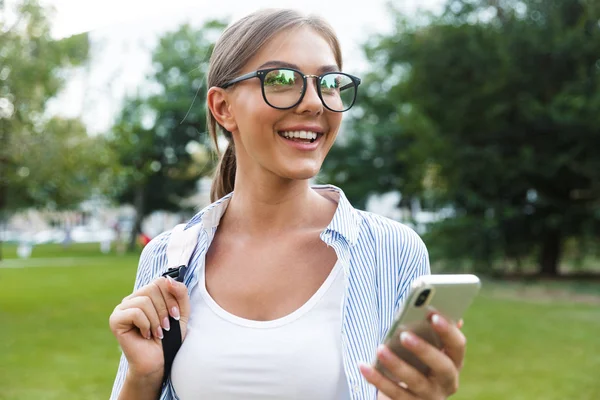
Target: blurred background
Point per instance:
(477, 124)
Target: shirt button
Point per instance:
(355, 388)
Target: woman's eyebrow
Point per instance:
(283, 64)
(328, 68)
(275, 63)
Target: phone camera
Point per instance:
(422, 297)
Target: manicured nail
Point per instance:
(159, 333)
(165, 324)
(408, 339)
(175, 313)
(438, 321)
(383, 352)
(366, 370)
(171, 281)
(149, 334)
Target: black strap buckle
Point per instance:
(177, 273)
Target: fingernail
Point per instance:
(165, 324)
(408, 339)
(149, 334)
(175, 313)
(159, 333)
(365, 369)
(383, 352)
(171, 281)
(438, 321)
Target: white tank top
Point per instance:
(295, 357)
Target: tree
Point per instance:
(59, 167)
(159, 137)
(33, 69)
(497, 106)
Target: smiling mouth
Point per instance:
(300, 136)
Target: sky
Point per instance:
(123, 33)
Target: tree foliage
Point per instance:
(59, 167)
(493, 109)
(44, 161)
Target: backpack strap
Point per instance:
(180, 247)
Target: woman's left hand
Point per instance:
(445, 365)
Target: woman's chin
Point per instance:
(301, 173)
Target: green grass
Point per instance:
(9, 251)
(55, 342)
(534, 349)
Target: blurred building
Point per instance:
(96, 220)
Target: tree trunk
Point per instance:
(4, 131)
(550, 253)
(139, 204)
(2, 226)
(3, 195)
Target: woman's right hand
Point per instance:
(138, 324)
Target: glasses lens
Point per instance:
(283, 87)
(338, 91)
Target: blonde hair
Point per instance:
(236, 46)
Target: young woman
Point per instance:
(290, 290)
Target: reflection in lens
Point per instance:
(283, 87)
(281, 79)
(338, 91)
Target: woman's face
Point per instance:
(262, 133)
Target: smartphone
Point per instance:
(447, 294)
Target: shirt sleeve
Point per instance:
(153, 261)
(416, 264)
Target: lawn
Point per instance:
(55, 342)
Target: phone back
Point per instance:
(448, 295)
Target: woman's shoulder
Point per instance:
(384, 229)
(396, 247)
(152, 260)
(157, 245)
(375, 232)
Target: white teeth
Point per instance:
(299, 135)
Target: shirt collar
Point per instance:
(346, 220)
(210, 216)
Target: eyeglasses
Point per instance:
(284, 88)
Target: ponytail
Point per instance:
(224, 178)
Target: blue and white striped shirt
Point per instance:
(380, 258)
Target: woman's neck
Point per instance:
(273, 206)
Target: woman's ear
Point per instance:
(218, 102)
